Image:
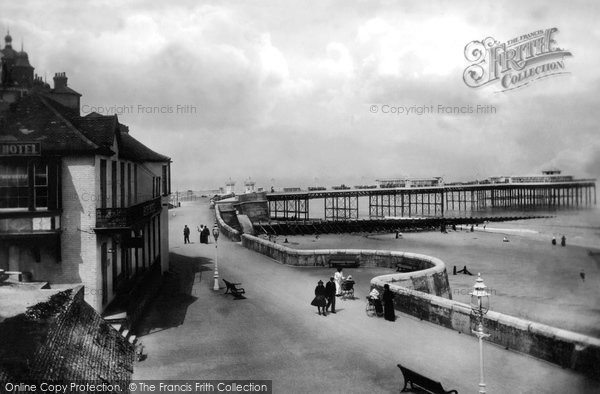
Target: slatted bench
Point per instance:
(423, 382)
(343, 261)
(402, 267)
(233, 289)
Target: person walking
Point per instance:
(388, 303)
(563, 241)
(200, 229)
(339, 278)
(319, 300)
(206, 233)
(186, 235)
(330, 289)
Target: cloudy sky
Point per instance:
(299, 93)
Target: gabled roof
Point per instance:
(100, 129)
(132, 149)
(36, 118)
(61, 130)
(65, 90)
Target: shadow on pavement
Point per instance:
(171, 304)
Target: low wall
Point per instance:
(425, 294)
(224, 228)
(565, 348)
(429, 275)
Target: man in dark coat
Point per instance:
(330, 290)
(186, 235)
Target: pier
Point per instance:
(434, 201)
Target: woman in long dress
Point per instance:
(338, 278)
(320, 301)
(388, 303)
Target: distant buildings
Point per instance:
(547, 176)
(81, 200)
(410, 182)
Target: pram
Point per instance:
(374, 306)
(348, 289)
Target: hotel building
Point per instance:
(81, 200)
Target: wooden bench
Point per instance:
(343, 261)
(402, 267)
(423, 382)
(233, 289)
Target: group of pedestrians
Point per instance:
(203, 230)
(325, 295)
(384, 305)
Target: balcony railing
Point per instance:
(127, 217)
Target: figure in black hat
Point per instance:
(319, 300)
(330, 290)
(186, 235)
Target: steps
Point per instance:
(120, 323)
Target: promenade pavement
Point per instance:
(194, 332)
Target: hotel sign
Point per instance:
(20, 149)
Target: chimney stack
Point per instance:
(60, 80)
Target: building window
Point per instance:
(18, 184)
(41, 186)
(165, 185)
(129, 193)
(113, 184)
(14, 186)
(102, 183)
(122, 183)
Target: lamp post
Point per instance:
(480, 305)
(215, 232)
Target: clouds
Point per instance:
(283, 90)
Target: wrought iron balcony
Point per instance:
(123, 218)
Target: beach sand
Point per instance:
(526, 277)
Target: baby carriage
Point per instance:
(348, 288)
(374, 306)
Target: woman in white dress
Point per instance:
(338, 278)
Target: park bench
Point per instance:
(403, 267)
(343, 261)
(233, 289)
(423, 382)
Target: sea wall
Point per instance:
(565, 348)
(425, 293)
(222, 211)
(254, 205)
(428, 274)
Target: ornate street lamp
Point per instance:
(215, 232)
(480, 305)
